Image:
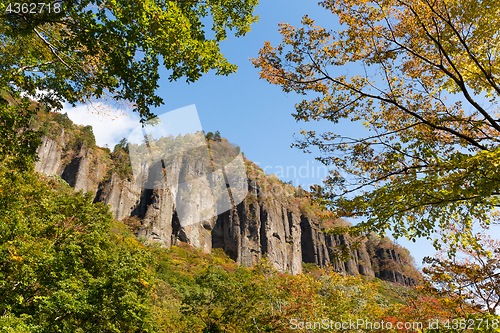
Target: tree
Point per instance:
(217, 136)
(121, 146)
(209, 136)
(61, 267)
(18, 142)
(76, 50)
(222, 301)
(421, 78)
(473, 276)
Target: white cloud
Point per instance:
(109, 125)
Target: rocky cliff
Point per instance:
(275, 220)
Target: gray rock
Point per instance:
(264, 224)
(49, 154)
(157, 220)
(121, 195)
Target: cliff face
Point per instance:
(253, 229)
(269, 222)
(82, 170)
(323, 249)
(49, 154)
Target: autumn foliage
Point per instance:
(420, 80)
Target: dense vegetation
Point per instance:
(62, 269)
(66, 266)
(215, 295)
(120, 161)
(91, 49)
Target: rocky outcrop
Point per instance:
(324, 250)
(82, 170)
(49, 156)
(389, 263)
(156, 210)
(264, 224)
(121, 195)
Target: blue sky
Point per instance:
(246, 110)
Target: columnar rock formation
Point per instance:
(264, 224)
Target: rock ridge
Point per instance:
(272, 221)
